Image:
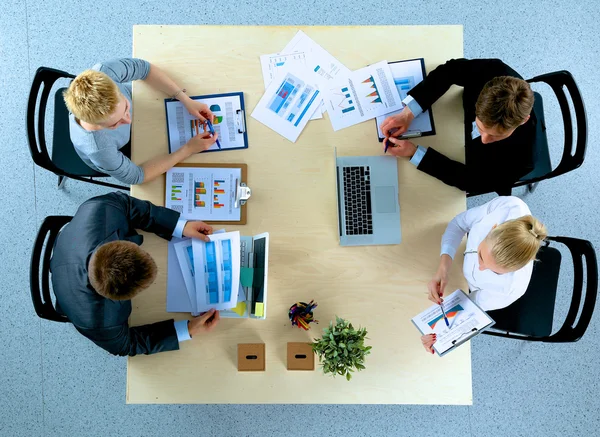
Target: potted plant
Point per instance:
(342, 348)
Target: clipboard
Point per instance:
(241, 195)
(238, 114)
(464, 334)
(427, 114)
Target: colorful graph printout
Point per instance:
(182, 126)
(450, 315)
(200, 193)
(365, 94)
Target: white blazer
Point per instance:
(488, 290)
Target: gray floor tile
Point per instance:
(20, 365)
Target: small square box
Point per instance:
(300, 356)
(251, 357)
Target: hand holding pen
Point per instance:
(211, 129)
(403, 148)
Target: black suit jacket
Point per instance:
(488, 167)
(102, 219)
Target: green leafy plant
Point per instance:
(342, 348)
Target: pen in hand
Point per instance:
(212, 131)
(444, 314)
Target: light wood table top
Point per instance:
(378, 287)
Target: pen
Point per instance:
(444, 314)
(212, 131)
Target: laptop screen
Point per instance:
(258, 282)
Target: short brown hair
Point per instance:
(92, 96)
(516, 242)
(119, 270)
(505, 102)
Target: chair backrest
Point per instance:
(571, 158)
(39, 279)
(530, 318)
(43, 80)
(583, 253)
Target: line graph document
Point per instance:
(464, 317)
(319, 60)
(363, 95)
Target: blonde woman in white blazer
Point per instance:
(502, 242)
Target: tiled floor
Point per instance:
(54, 382)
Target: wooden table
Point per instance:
(379, 287)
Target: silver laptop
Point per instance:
(367, 191)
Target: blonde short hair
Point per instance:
(92, 96)
(516, 242)
(119, 270)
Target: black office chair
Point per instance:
(571, 159)
(65, 162)
(40, 279)
(530, 318)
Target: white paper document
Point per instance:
(406, 75)
(289, 102)
(367, 93)
(203, 193)
(465, 320)
(182, 126)
(317, 59)
(275, 64)
(211, 271)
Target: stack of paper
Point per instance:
(211, 271)
(305, 80)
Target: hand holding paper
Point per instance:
(204, 323)
(427, 342)
(197, 229)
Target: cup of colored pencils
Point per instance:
(301, 314)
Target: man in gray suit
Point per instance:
(98, 266)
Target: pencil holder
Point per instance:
(301, 314)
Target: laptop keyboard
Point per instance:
(357, 200)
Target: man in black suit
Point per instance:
(499, 126)
(98, 266)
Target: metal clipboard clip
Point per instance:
(462, 340)
(240, 121)
(242, 193)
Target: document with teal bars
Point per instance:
(211, 271)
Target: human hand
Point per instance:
(197, 229)
(398, 147)
(203, 323)
(427, 342)
(437, 285)
(396, 125)
(201, 142)
(199, 110)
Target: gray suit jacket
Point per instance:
(102, 219)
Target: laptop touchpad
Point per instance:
(385, 199)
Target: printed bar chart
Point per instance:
(176, 192)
